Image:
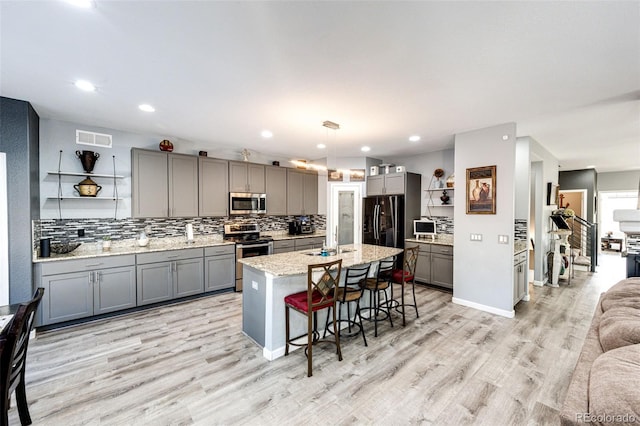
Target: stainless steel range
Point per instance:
(249, 243)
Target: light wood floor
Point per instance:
(189, 363)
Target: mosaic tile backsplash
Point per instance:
(520, 230)
(66, 230)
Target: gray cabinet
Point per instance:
(276, 190)
(183, 185)
(519, 276)
(442, 266)
(284, 246)
(389, 184)
(163, 184)
(246, 177)
(149, 184)
(435, 264)
(85, 287)
(213, 187)
(219, 267)
(309, 243)
(302, 192)
(166, 275)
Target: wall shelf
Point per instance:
(61, 173)
(439, 189)
(84, 198)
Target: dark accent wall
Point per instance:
(19, 139)
(581, 179)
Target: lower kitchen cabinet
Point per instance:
(219, 268)
(166, 275)
(308, 243)
(82, 288)
(435, 264)
(284, 246)
(519, 277)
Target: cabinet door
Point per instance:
(423, 264)
(295, 187)
(394, 183)
(154, 282)
(183, 185)
(188, 277)
(276, 190)
(149, 184)
(310, 193)
(238, 177)
(284, 246)
(255, 178)
(114, 289)
(442, 270)
(519, 282)
(67, 297)
(213, 187)
(375, 185)
(219, 272)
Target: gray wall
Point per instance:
(483, 270)
(582, 179)
(619, 181)
(19, 132)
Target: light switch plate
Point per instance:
(503, 239)
(476, 237)
(254, 285)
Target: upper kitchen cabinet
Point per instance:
(246, 177)
(387, 184)
(149, 184)
(302, 192)
(183, 185)
(214, 186)
(276, 190)
(163, 185)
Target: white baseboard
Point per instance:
(480, 307)
(538, 283)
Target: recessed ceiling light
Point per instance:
(321, 146)
(266, 134)
(146, 108)
(86, 4)
(85, 85)
(365, 149)
(414, 138)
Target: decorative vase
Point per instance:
(88, 159)
(444, 197)
(166, 145)
(476, 191)
(87, 188)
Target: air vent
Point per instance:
(84, 137)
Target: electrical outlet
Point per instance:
(254, 285)
(80, 232)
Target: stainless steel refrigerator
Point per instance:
(383, 223)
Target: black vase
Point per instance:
(88, 159)
(444, 198)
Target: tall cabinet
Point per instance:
(302, 192)
(213, 186)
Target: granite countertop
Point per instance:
(130, 246)
(297, 262)
(440, 239)
(519, 246)
(284, 235)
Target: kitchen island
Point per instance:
(268, 279)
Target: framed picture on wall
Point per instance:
(356, 175)
(334, 176)
(481, 190)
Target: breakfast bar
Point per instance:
(268, 279)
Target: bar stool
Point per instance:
(320, 294)
(351, 292)
(379, 311)
(403, 276)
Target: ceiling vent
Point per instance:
(84, 137)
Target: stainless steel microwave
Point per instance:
(247, 203)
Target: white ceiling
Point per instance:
(218, 73)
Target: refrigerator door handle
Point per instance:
(394, 221)
(375, 222)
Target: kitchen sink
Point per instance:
(330, 252)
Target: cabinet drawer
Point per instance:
(170, 255)
(220, 250)
(309, 242)
(83, 265)
(520, 257)
(284, 244)
(436, 248)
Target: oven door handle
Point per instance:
(241, 246)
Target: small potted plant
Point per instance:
(106, 243)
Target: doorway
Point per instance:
(345, 214)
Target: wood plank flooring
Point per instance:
(189, 363)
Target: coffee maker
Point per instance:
(295, 227)
(305, 225)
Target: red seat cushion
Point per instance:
(397, 274)
(299, 301)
